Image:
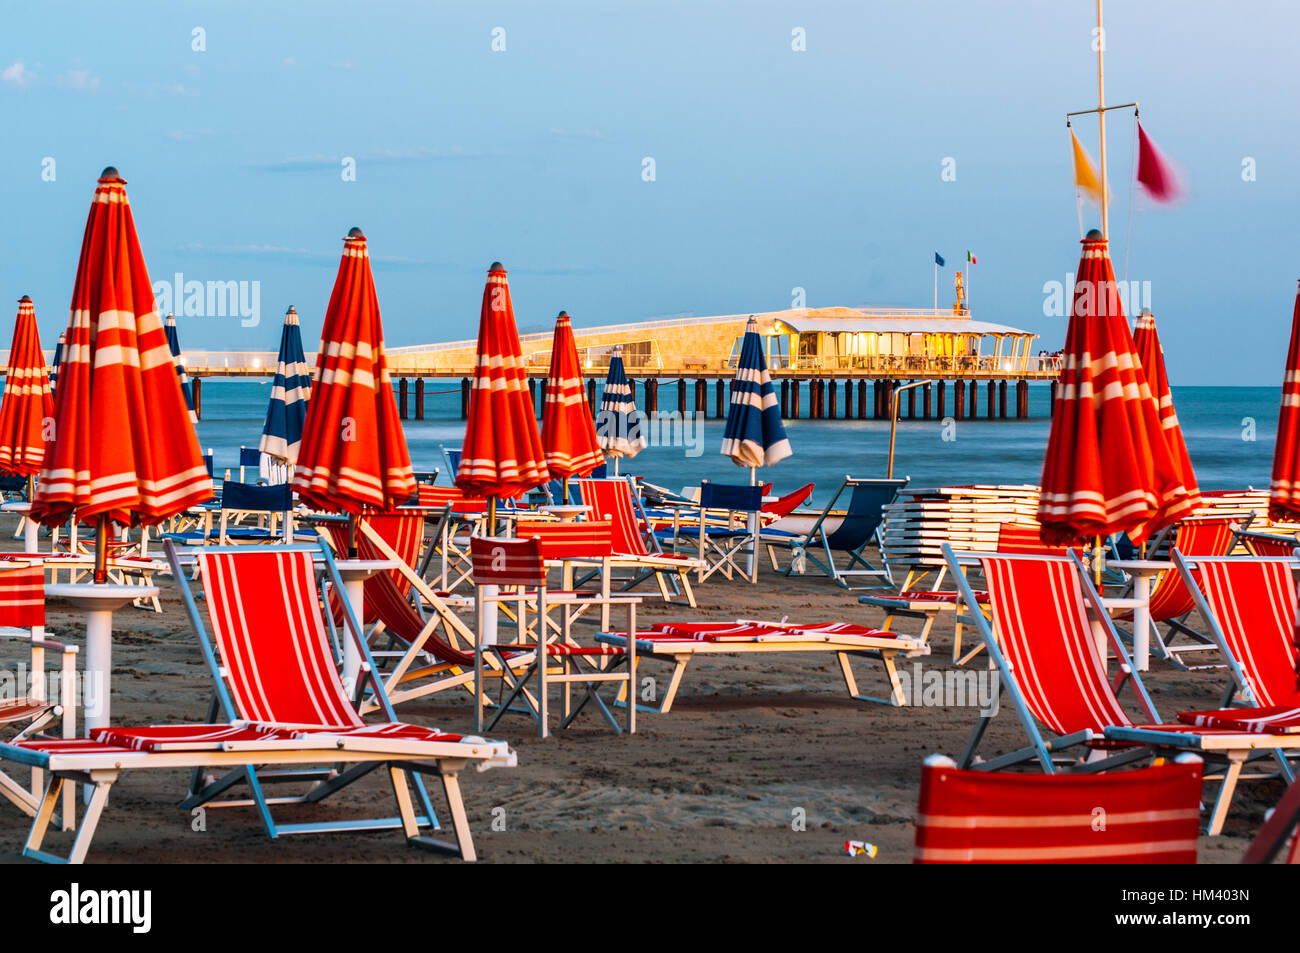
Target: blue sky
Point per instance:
(775, 169)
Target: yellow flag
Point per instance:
(1085, 175)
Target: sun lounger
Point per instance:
(679, 643)
(850, 537)
(279, 689)
(22, 617)
(1148, 816)
(929, 605)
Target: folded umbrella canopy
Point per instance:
(755, 435)
(290, 391)
(1284, 489)
(568, 432)
(174, 344)
(58, 359)
(27, 403)
(618, 429)
(502, 455)
(123, 446)
(1108, 467)
(1152, 357)
(353, 453)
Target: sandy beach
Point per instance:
(749, 747)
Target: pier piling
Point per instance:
(1022, 399)
(401, 397)
(419, 398)
(198, 397)
(464, 397)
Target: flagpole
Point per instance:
(1101, 122)
(936, 286)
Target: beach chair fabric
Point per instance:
(725, 530)
(680, 642)
(1150, 816)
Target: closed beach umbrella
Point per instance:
(58, 359)
(27, 402)
(755, 435)
(618, 432)
(123, 447)
(287, 410)
(568, 433)
(1152, 357)
(353, 452)
(1284, 489)
(1108, 467)
(174, 343)
(502, 455)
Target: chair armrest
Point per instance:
(56, 646)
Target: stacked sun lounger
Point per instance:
(921, 520)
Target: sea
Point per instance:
(1229, 432)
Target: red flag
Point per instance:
(1154, 171)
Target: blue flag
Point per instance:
(938, 259)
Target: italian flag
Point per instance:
(970, 258)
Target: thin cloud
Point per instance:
(79, 81)
(17, 75)
(319, 161)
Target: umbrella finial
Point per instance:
(562, 314)
(25, 299)
(1094, 235)
(496, 266)
(355, 232)
(110, 172)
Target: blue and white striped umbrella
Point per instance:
(58, 359)
(288, 408)
(755, 435)
(619, 429)
(174, 344)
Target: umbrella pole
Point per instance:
(564, 492)
(31, 539)
(492, 516)
(352, 535)
(1096, 560)
(101, 549)
(751, 561)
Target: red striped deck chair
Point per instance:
(1171, 599)
(927, 605)
(22, 619)
(1040, 638)
(589, 544)
(1147, 816)
(514, 571)
(1267, 544)
(278, 685)
(612, 500)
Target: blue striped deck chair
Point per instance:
(726, 530)
(249, 457)
(862, 517)
(452, 459)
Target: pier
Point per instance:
(829, 363)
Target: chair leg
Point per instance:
(1235, 762)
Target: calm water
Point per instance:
(1214, 419)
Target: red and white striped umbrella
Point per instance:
(568, 429)
(27, 401)
(1146, 341)
(502, 455)
(353, 454)
(1284, 490)
(1108, 467)
(123, 443)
